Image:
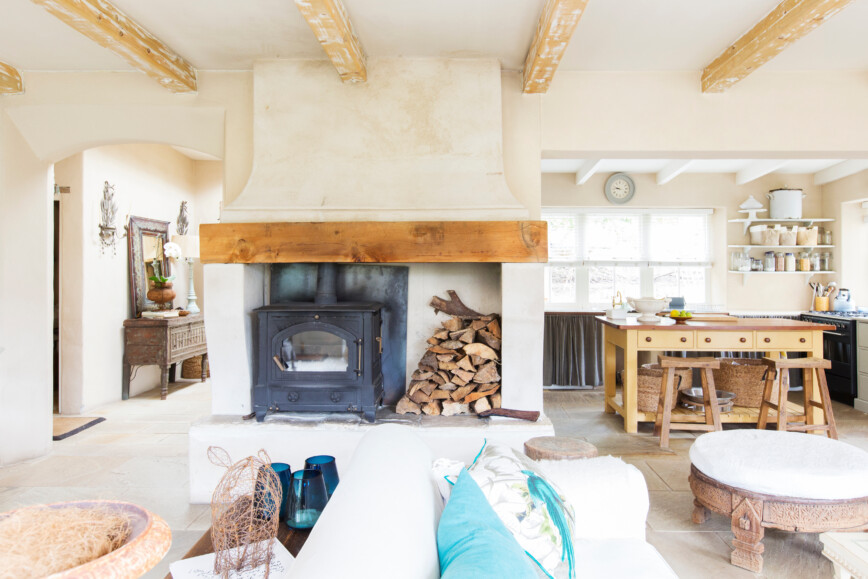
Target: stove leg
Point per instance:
(260, 415)
(370, 415)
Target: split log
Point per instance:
(445, 357)
(489, 339)
(531, 415)
(441, 350)
(452, 324)
(419, 375)
(443, 374)
(452, 408)
(452, 344)
(438, 378)
(407, 406)
(449, 387)
(495, 400)
(464, 364)
(458, 381)
(453, 306)
(441, 394)
(477, 325)
(419, 397)
(432, 408)
(481, 394)
(494, 328)
(428, 387)
(429, 360)
(433, 341)
(447, 365)
(487, 374)
(463, 374)
(463, 391)
(480, 405)
(465, 336)
(478, 361)
(480, 350)
(442, 335)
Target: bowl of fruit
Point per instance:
(680, 316)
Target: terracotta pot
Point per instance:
(161, 293)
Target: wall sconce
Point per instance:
(108, 210)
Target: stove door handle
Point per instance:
(359, 368)
(836, 334)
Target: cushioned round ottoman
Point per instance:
(783, 480)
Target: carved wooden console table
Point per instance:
(163, 342)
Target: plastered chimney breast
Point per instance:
(420, 140)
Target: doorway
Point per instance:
(56, 325)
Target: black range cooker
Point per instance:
(839, 346)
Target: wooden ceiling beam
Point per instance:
(100, 21)
(788, 22)
(840, 171)
(757, 169)
(557, 23)
(10, 79)
(330, 23)
(672, 170)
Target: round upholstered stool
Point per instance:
(558, 448)
(782, 480)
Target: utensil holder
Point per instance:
(821, 304)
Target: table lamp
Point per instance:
(189, 251)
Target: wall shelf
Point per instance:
(748, 246)
(807, 274)
(809, 220)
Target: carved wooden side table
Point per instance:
(163, 342)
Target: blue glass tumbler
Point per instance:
(329, 468)
(307, 498)
(284, 473)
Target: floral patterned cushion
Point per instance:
(534, 510)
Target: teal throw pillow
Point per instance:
(473, 542)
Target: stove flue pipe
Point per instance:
(326, 276)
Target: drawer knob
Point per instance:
(767, 340)
(742, 340)
(648, 339)
(802, 340)
(683, 339)
(707, 340)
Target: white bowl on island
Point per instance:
(648, 308)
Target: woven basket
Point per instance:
(649, 378)
(744, 378)
(191, 369)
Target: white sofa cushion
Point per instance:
(620, 559)
(382, 520)
(609, 496)
(787, 464)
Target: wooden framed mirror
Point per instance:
(146, 240)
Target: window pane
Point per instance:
(666, 282)
(612, 237)
(688, 282)
(678, 238)
(604, 282)
(561, 284)
(563, 231)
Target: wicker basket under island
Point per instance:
(650, 378)
(744, 378)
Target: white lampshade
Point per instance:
(189, 245)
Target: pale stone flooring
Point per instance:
(139, 454)
(692, 550)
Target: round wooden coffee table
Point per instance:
(558, 448)
(781, 480)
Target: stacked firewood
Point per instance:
(459, 372)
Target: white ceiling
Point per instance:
(824, 170)
(631, 35)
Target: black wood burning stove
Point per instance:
(323, 356)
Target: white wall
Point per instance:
(719, 192)
(843, 200)
(150, 181)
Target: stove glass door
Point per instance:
(315, 351)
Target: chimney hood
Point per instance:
(420, 140)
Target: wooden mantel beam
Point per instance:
(10, 79)
(557, 22)
(375, 242)
(100, 21)
(788, 22)
(330, 23)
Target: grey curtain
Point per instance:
(573, 350)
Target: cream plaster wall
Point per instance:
(843, 200)
(714, 191)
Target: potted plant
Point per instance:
(162, 292)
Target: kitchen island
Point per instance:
(772, 336)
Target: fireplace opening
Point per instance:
(333, 339)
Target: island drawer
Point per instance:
(725, 340)
(665, 340)
(800, 341)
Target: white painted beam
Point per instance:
(587, 170)
(839, 171)
(758, 169)
(672, 170)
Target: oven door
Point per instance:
(838, 347)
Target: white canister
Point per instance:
(785, 203)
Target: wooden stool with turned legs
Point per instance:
(811, 367)
(663, 421)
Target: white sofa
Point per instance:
(382, 520)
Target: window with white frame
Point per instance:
(594, 253)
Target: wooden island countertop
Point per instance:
(772, 337)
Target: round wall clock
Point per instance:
(619, 188)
